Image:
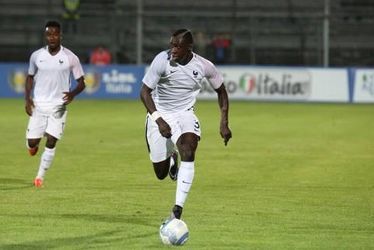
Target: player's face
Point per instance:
(53, 37)
(179, 49)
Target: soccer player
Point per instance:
(169, 92)
(49, 80)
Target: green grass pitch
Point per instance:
(294, 176)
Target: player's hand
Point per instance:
(225, 133)
(29, 106)
(163, 127)
(68, 97)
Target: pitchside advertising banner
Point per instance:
(115, 81)
(363, 90)
(283, 84)
(297, 84)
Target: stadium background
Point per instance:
(322, 34)
(294, 176)
(287, 32)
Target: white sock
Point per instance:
(46, 161)
(184, 182)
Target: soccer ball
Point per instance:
(174, 232)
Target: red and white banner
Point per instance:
(282, 84)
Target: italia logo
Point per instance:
(277, 84)
(247, 83)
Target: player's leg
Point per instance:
(187, 136)
(187, 145)
(160, 150)
(161, 168)
(35, 131)
(33, 145)
(168, 166)
(47, 157)
(173, 171)
(54, 132)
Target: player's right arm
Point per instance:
(29, 103)
(146, 97)
(150, 80)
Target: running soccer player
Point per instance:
(49, 80)
(169, 92)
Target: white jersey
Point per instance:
(52, 75)
(176, 86)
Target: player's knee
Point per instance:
(50, 144)
(161, 170)
(32, 143)
(161, 176)
(187, 153)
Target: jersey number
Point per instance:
(197, 125)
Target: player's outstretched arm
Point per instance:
(223, 102)
(69, 96)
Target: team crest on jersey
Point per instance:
(60, 61)
(195, 73)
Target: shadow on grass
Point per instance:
(121, 236)
(13, 184)
(135, 219)
(122, 219)
(103, 240)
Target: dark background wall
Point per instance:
(270, 32)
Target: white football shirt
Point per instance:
(52, 75)
(176, 86)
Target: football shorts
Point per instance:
(160, 148)
(49, 120)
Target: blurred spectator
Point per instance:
(200, 43)
(71, 15)
(100, 56)
(221, 43)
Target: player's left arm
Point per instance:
(223, 102)
(216, 81)
(77, 71)
(69, 96)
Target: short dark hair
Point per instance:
(186, 35)
(53, 24)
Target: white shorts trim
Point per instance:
(160, 148)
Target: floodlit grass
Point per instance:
(294, 176)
